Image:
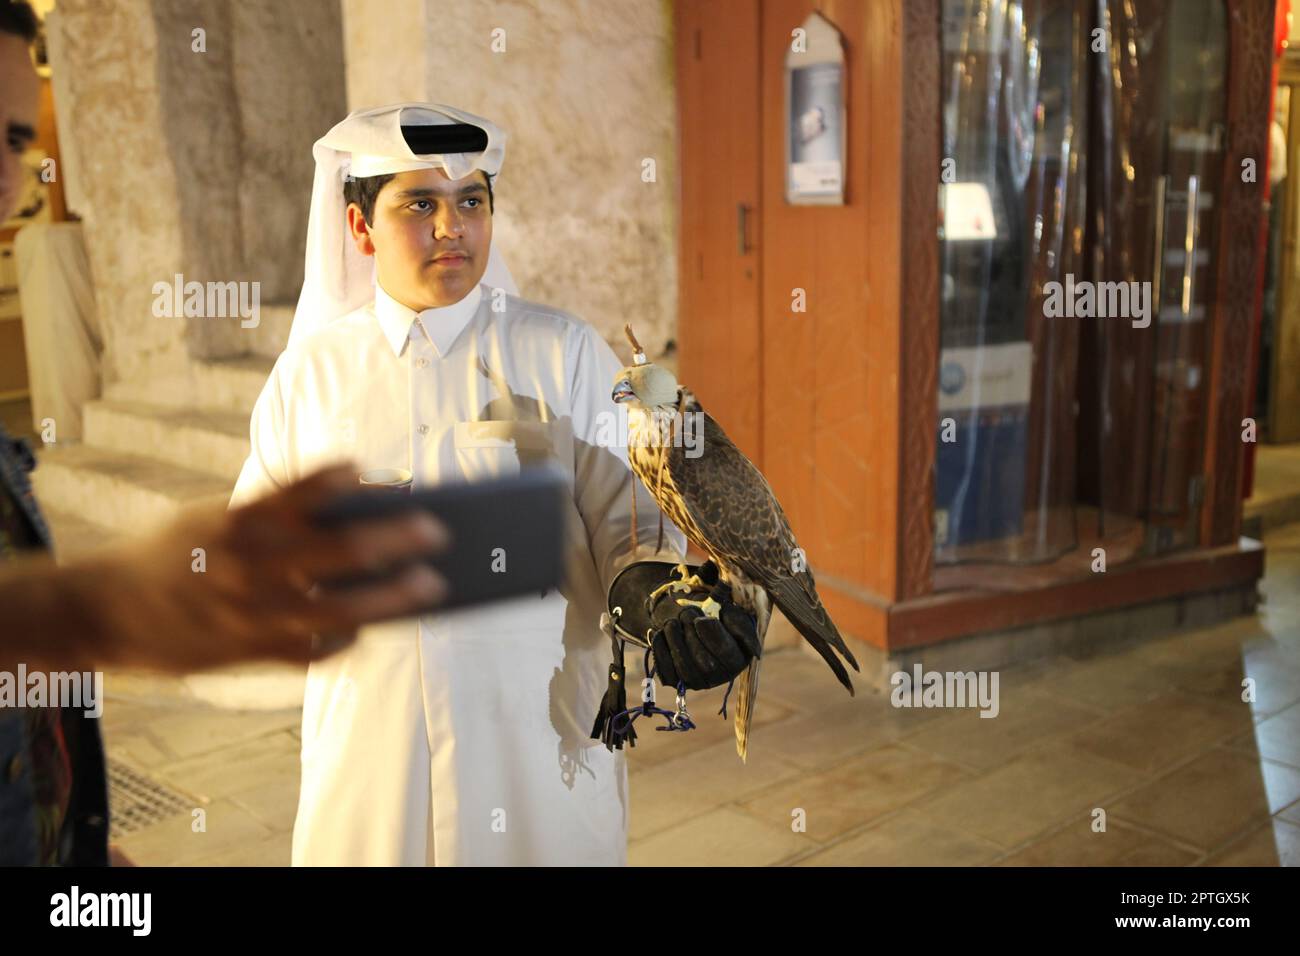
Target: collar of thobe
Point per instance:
(439, 326)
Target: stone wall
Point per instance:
(127, 186)
(189, 162)
(288, 79)
(585, 91)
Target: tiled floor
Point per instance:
(1277, 483)
(1146, 756)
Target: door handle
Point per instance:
(742, 228)
(1189, 243)
(1158, 273)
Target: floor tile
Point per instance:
(201, 730)
(721, 837)
(841, 729)
(1029, 795)
(906, 839)
(854, 792)
(1276, 843)
(666, 794)
(1278, 737)
(1164, 730)
(1077, 844)
(176, 840)
(1211, 799)
(236, 768)
(1022, 722)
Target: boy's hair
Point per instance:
(365, 190)
(18, 19)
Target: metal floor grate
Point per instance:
(135, 801)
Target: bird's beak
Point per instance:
(622, 391)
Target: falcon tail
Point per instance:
(810, 619)
(746, 694)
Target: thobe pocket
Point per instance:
(497, 449)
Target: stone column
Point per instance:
(194, 156)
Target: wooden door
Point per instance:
(718, 333)
(812, 396)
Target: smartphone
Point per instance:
(507, 534)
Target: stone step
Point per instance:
(244, 687)
(233, 384)
(127, 493)
(209, 440)
(225, 384)
(250, 686)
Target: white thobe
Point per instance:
(463, 738)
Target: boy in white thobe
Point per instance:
(460, 737)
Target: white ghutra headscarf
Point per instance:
(338, 279)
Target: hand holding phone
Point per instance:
(507, 534)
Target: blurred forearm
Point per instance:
(47, 614)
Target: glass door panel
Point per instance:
(1160, 119)
(1083, 153)
(1012, 199)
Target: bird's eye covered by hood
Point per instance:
(648, 384)
(625, 383)
(622, 391)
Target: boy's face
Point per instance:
(420, 219)
(19, 92)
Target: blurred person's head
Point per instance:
(408, 220)
(19, 94)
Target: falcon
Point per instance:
(726, 508)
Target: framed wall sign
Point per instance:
(815, 140)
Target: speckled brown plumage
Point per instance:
(726, 508)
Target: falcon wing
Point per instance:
(736, 512)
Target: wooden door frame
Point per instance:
(1282, 402)
(918, 408)
(1243, 234)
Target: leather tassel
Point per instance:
(613, 704)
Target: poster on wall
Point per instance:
(815, 114)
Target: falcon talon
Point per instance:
(673, 586)
(688, 582)
(709, 607)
